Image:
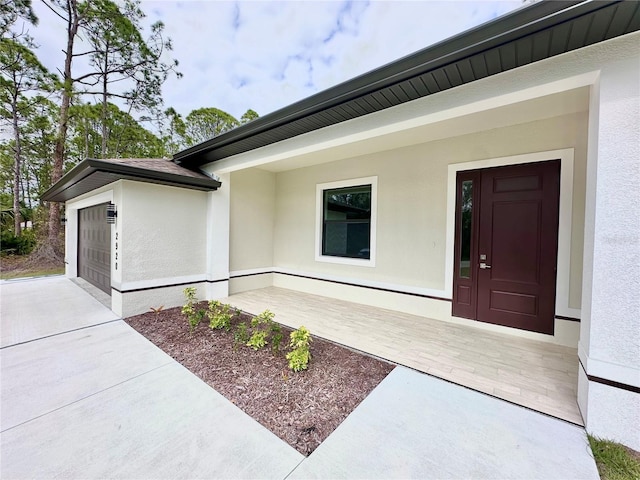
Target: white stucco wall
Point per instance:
(610, 336)
(163, 234)
(162, 242)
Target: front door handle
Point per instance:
(484, 265)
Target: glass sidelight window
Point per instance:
(466, 228)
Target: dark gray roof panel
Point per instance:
(530, 34)
(91, 174)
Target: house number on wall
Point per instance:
(116, 250)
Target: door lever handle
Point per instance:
(484, 265)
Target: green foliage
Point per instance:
(262, 326)
(22, 244)
(13, 10)
(205, 123)
(264, 318)
(194, 317)
(276, 337)
(257, 340)
(125, 137)
(241, 334)
(219, 315)
(299, 356)
(248, 116)
(614, 461)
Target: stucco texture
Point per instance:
(412, 195)
(252, 207)
(162, 232)
(614, 324)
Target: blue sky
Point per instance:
(265, 55)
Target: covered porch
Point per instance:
(534, 374)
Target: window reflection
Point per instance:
(347, 222)
(466, 228)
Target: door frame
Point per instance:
(473, 289)
(563, 267)
(72, 208)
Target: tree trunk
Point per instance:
(17, 219)
(105, 105)
(59, 153)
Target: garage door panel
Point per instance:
(94, 247)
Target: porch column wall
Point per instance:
(609, 348)
(217, 268)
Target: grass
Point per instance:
(615, 461)
(9, 275)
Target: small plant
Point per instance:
(262, 326)
(157, 310)
(219, 315)
(258, 340)
(299, 355)
(276, 337)
(241, 334)
(194, 317)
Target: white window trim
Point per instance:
(320, 188)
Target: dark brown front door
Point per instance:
(94, 247)
(507, 234)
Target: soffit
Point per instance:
(565, 103)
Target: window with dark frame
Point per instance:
(346, 222)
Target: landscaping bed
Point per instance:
(302, 408)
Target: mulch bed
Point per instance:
(301, 408)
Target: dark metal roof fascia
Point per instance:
(90, 166)
(515, 25)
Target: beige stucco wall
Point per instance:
(412, 193)
(253, 195)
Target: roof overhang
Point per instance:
(91, 174)
(527, 35)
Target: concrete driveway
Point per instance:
(97, 400)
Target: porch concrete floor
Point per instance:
(534, 374)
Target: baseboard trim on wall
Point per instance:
(609, 383)
(339, 282)
(570, 319)
(182, 284)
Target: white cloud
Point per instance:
(266, 55)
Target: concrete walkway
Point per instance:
(97, 400)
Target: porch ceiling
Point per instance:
(537, 375)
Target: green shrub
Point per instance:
(219, 315)
(194, 317)
(299, 356)
(241, 334)
(262, 329)
(258, 340)
(276, 337)
(19, 245)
